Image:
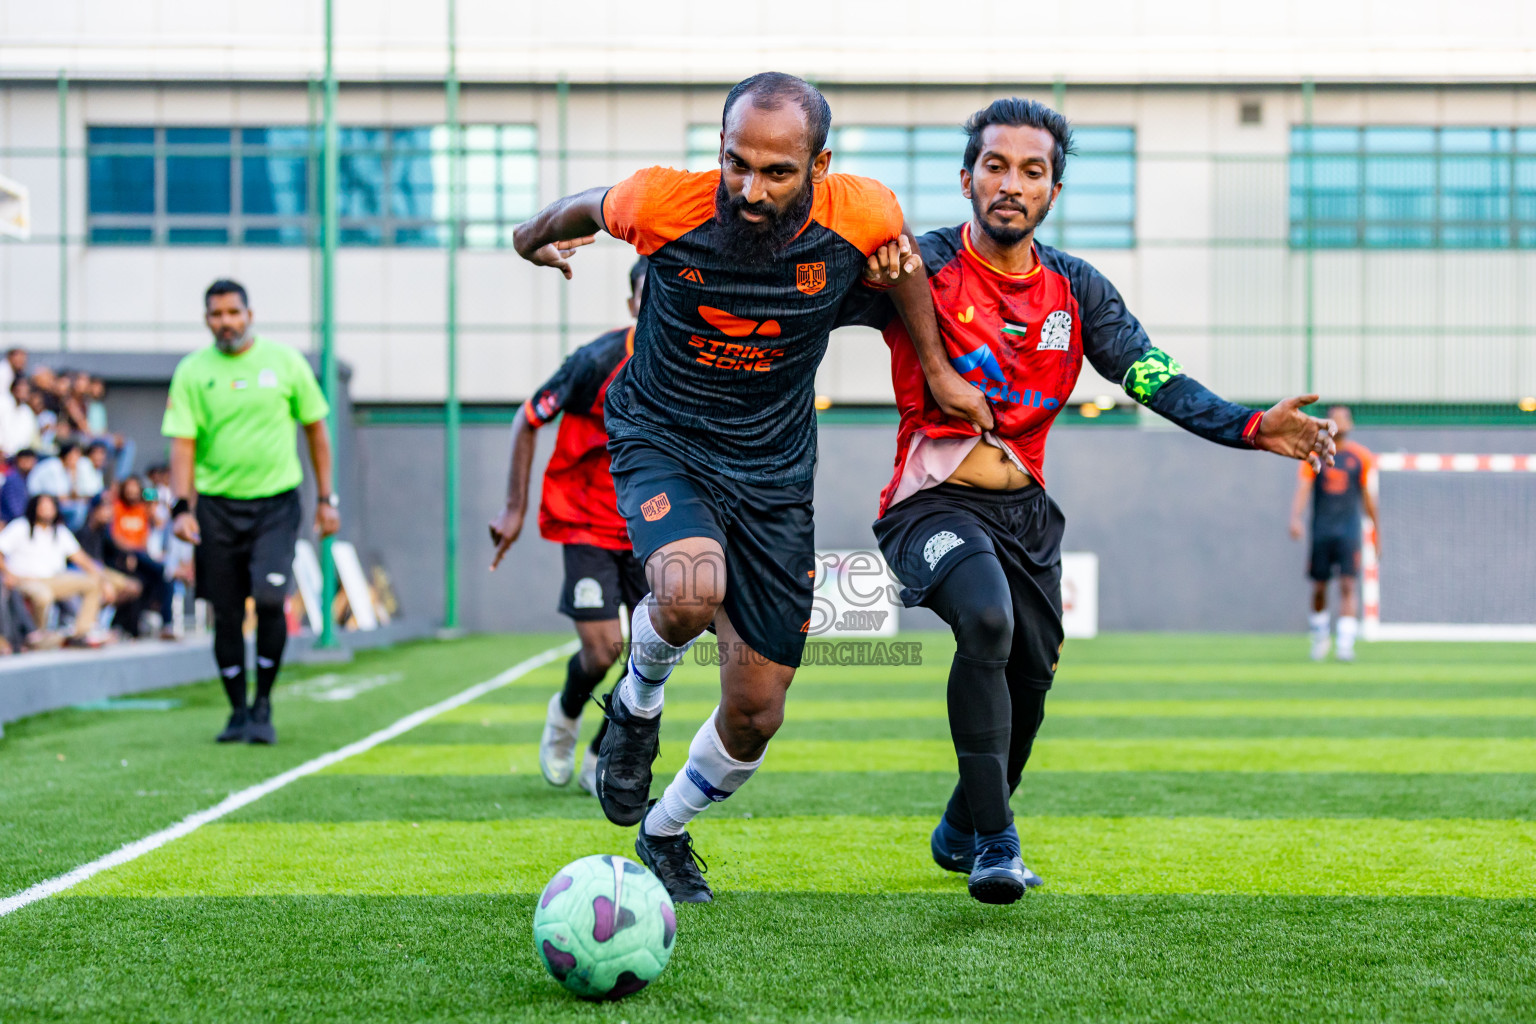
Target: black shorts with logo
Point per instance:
(930, 533)
(766, 532)
(246, 549)
(598, 580)
(1339, 554)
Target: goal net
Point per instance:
(1458, 556)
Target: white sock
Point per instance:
(710, 776)
(1349, 627)
(651, 660)
(1317, 622)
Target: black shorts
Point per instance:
(598, 580)
(766, 532)
(926, 536)
(1334, 554)
(246, 549)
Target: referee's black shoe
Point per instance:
(234, 731)
(630, 744)
(259, 728)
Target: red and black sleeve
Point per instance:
(576, 384)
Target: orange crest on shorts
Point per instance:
(656, 507)
(810, 278)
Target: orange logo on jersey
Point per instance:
(689, 274)
(656, 507)
(810, 278)
(733, 326)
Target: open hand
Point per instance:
(1286, 430)
(186, 528)
(557, 254)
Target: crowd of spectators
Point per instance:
(86, 552)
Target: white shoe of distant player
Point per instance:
(587, 777)
(1344, 653)
(557, 747)
(1320, 647)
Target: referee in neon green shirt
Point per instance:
(235, 475)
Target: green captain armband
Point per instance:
(1148, 374)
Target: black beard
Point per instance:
(1003, 235)
(758, 244)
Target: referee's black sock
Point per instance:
(229, 652)
(271, 638)
(579, 684)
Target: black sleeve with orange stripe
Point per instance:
(1117, 346)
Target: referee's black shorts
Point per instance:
(247, 549)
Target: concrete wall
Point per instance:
(1190, 536)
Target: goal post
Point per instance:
(1459, 549)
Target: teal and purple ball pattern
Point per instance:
(604, 927)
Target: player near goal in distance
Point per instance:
(965, 522)
(578, 510)
(1338, 494)
(712, 428)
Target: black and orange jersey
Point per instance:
(1338, 492)
(578, 505)
(1021, 340)
(726, 354)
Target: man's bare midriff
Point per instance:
(990, 469)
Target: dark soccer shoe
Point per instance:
(953, 850)
(630, 745)
(234, 731)
(259, 729)
(673, 860)
(999, 875)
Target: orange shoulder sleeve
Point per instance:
(1305, 471)
(658, 205)
(862, 210)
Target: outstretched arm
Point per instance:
(507, 526)
(551, 235)
(1119, 349)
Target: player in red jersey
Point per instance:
(1339, 494)
(965, 522)
(712, 428)
(578, 511)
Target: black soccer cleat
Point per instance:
(234, 730)
(674, 860)
(999, 875)
(259, 728)
(630, 745)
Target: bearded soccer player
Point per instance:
(1338, 495)
(966, 523)
(712, 428)
(578, 511)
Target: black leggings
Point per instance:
(995, 707)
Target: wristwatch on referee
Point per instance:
(332, 499)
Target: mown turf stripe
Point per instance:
(1287, 754)
(1086, 855)
(919, 794)
(808, 707)
(191, 823)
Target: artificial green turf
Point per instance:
(1070, 794)
(1256, 811)
(784, 957)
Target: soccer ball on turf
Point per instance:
(604, 927)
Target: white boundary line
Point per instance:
(235, 801)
